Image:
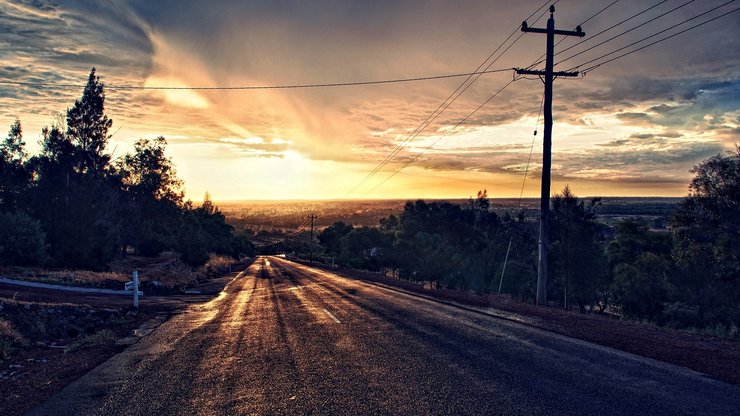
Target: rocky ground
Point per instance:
(50, 338)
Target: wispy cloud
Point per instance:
(642, 120)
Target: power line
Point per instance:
(531, 149)
(626, 31)
(591, 68)
(591, 37)
(524, 180)
(412, 160)
(264, 87)
(469, 115)
(300, 228)
(463, 120)
(541, 58)
(448, 101)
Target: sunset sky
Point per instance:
(632, 127)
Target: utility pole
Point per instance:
(310, 249)
(549, 76)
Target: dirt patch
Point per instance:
(35, 375)
(47, 345)
(55, 337)
(717, 357)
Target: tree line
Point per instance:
(73, 205)
(688, 276)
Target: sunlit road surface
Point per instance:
(287, 339)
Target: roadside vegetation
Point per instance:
(686, 276)
(74, 206)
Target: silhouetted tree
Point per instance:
(153, 196)
(74, 197)
(87, 127)
(641, 288)
(706, 231)
(639, 263)
(576, 257)
(22, 242)
(14, 173)
(331, 237)
(365, 248)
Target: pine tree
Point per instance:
(14, 174)
(87, 127)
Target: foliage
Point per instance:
(87, 128)
(639, 261)
(102, 337)
(366, 248)
(152, 197)
(577, 264)
(331, 237)
(22, 242)
(14, 174)
(706, 231)
(89, 210)
(9, 338)
(642, 288)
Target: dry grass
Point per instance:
(9, 337)
(167, 269)
(170, 275)
(62, 277)
(7, 331)
(102, 337)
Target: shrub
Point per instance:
(22, 242)
(102, 337)
(681, 315)
(9, 337)
(151, 247)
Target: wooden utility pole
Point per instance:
(549, 76)
(310, 247)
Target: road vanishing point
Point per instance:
(287, 339)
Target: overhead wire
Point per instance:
(521, 193)
(449, 100)
(591, 68)
(596, 35)
(541, 58)
(416, 156)
(412, 160)
(263, 87)
(625, 32)
(300, 228)
(531, 149)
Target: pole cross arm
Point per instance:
(520, 71)
(578, 32)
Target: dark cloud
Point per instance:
(649, 115)
(635, 117)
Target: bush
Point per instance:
(680, 315)
(151, 247)
(9, 338)
(102, 337)
(22, 242)
(642, 288)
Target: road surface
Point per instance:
(283, 338)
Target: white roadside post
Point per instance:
(136, 289)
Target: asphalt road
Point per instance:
(287, 339)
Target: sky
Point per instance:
(632, 127)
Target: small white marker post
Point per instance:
(136, 289)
